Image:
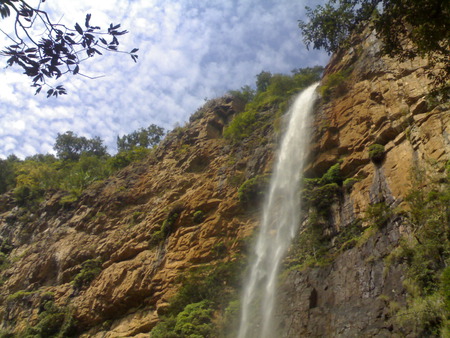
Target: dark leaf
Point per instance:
(102, 40)
(49, 92)
(134, 50)
(78, 28)
(76, 70)
(38, 90)
(30, 50)
(88, 18)
(44, 60)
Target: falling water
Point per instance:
(280, 219)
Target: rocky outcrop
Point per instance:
(378, 101)
(116, 221)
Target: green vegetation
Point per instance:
(69, 146)
(379, 214)
(273, 94)
(198, 217)
(54, 322)
(194, 321)
(334, 85)
(126, 157)
(167, 226)
(141, 138)
(205, 293)
(426, 253)
(320, 193)
(424, 24)
(79, 163)
(376, 153)
(89, 270)
(20, 295)
(252, 191)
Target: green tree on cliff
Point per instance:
(407, 28)
(143, 137)
(69, 146)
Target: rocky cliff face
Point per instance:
(115, 258)
(140, 230)
(374, 101)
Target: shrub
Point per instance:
(333, 175)
(349, 182)
(167, 227)
(126, 157)
(323, 197)
(54, 321)
(241, 126)
(89, 270)
(376, 153)
(20, 295)
(334, 85)
(27, 195)
(198, 217)
(195, 320)
(252, 190)
(379, 214)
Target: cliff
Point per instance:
(361, 283)
(113, 259)
(171, 232)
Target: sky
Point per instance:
(189, 51)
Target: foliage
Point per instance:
(167, 226)
(427, 255)
(253, 190)
(142, 138)
(89, 270)
(20, 295)
(273, 92)
(69, 146)
(57, 49)
(54, 322)
(194, 321)
(349, 182)
(7, 174)
(379, 214)
(320, 193)
(423, 24)
(332, 175)
(26, 196)
(207, 283)
(204, 292)
(241, 126)
(79, 175)
(245, 94)
(376, 153)
(334, 85)
(263, 81)
(198, 217)
(126, 157)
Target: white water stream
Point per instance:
(279, 223)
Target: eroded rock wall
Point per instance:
(194, 169)
(379, 101)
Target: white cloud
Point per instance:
(188, 51)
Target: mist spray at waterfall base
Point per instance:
(281, 216)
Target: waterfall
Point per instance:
(281, 216)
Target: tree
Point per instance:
(59, 49)
(7, 173)
(407, 28)
(263, 81)
(143, 137)
(69, 146)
